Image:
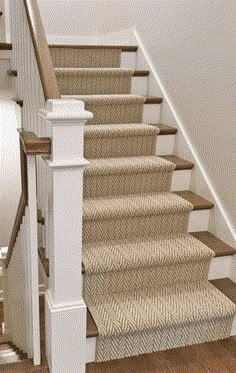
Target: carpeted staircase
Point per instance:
(145, 280)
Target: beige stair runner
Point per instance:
(146, 279)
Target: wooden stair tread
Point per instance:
(218, 246)
(180, 163)
(40, 218)
(18, 101)
(227, 287)
(12, 73)
(217, 355)
(92, 330)
(44, 260)
(166, 130)
(153, 100)
(124, 48)
(198, 202)
(5, 46)
(141, 73)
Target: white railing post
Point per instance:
(64, 306)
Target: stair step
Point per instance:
(6, 46)
(217, 356)
(94, 81)
(198, 202)
(91, 71)
(119, 140)
(227, 287)
(115, 109)
(92, 330)
(180, 164)
(134, 216)
(123, 48)
(10, 354)
(12, 73)
(147, 313)
(121, 176)
(148, 100)
(165, 130)
(127, 265)
(218, 246)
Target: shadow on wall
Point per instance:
(10, 186)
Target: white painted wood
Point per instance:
(91, 349)
(65, 309)
(181, 180)
(128, 60)
(233, 329)
(233, 270)
(32, 256)
(220, 267)
(151, 113)
(21, 304)
(139, 85)
(165, 144)
(199, 220)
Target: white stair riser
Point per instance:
(128, 60)
(151, 113)
(221, 267)
(165, 144)
(199, 220)
(139, 85)
(181, 180)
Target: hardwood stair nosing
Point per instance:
(5, 46)
(180, 163)
(12, 73)
(151, 100)
(18, 101)
(227, 287)
(198, 202)
(165, 129)
(124, 48)
(220, 247)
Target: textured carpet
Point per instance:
(120, 140)
(146, 279)
(74, 81)
(77, 57)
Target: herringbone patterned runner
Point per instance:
(145, 279)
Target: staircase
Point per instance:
(146, 248)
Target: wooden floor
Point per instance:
(214, 357)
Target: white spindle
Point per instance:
(21, 294)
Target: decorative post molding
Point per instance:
(64, 306)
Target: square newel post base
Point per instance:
(65, 326)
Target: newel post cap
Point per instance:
(66, 110)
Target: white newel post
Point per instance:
(64, 306)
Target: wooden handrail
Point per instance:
(34, 145)
(42, 52)
(30, 144)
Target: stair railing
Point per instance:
(21, 290)
(59, 191)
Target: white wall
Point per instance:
(192, 46)
(10, 184)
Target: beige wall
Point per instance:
(2, 21)
(192, 46)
